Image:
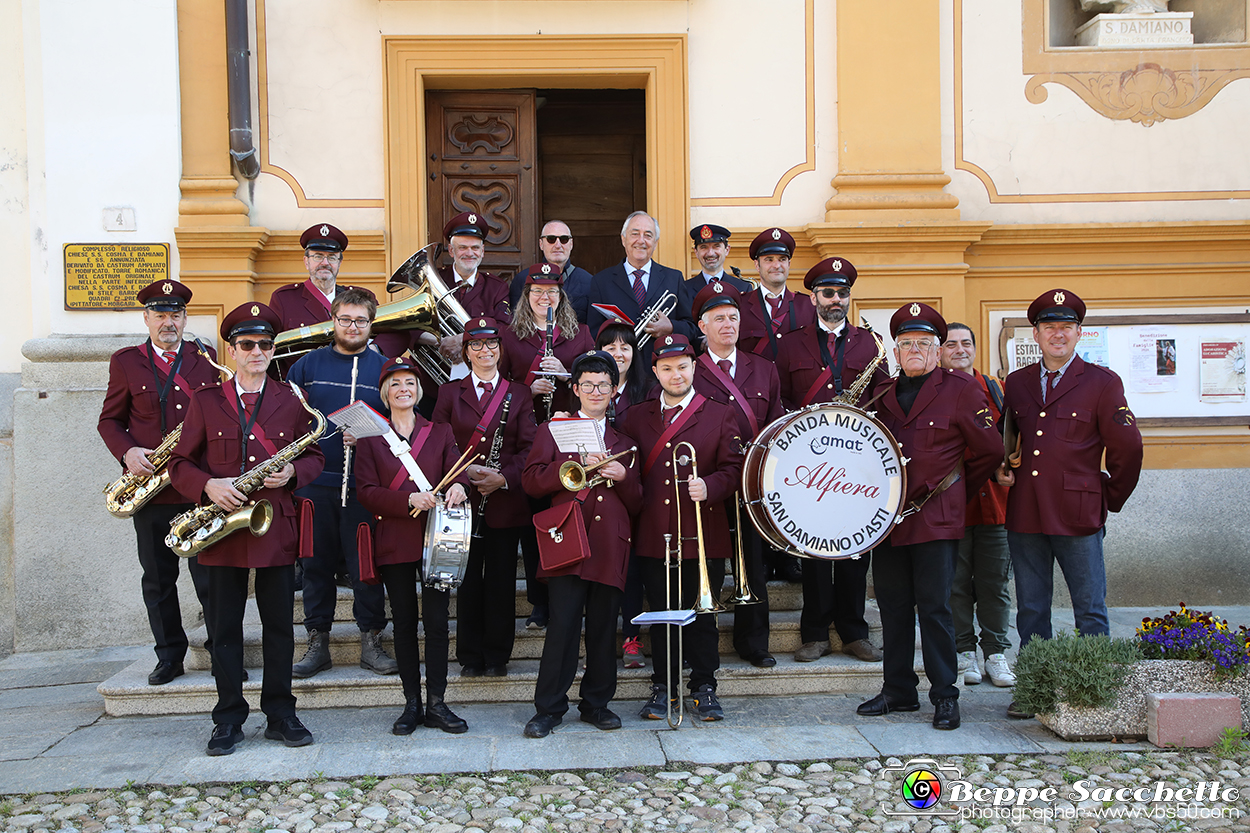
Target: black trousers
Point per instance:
(334, 545)
(535, 590)
(751, 621)
(571, 598)
(401, 582)
(833, 594)
(160, 580)
(227, 597)
(916, 578)
(632, 599)
(700, 639)
(486, 600)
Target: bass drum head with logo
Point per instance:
(824, 482)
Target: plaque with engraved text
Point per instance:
(102, 276)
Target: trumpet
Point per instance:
(743, 594)
(705, 602)
(664, 305)
(573, 475)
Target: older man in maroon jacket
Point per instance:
(749, 387)
(815, 364)
(1067, 414)
(937, 416)
(682, 415)
(230, 430)
(149, 390)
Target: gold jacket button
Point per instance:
(177, 388)
(1036, 452)
(251, 459)
(666, 501)
(1039, 432)
(596, 516)
(1035, 473)
(179, 407)
(251, 436)
(1042, 414)
(600, 498)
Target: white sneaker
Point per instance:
(999, 671)
(969, 667)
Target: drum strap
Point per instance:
(672, 430)
(735, 394)
(948, 481)
(405, 454)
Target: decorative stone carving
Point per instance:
(489, 133)
(493, 199)
(1146, 94)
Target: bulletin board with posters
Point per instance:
(1178, 370)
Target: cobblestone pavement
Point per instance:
(842, 795)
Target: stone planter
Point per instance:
(1126, 718)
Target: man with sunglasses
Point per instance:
(556, 244)
(229, 430)
(327, 376)
(816, 363)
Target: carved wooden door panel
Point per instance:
(482, 158)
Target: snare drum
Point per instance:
(447, 536)
(826, 482)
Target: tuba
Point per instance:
(197, 529)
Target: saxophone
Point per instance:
(127, 494)
(851, 395)
(197, 529)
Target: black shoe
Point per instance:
(1016, 713)
(470, 671)
(706, 706)
(537, 619)
(289, 730)
(946, 715)
(224, 738)
(412, 717)
(603, 718)
(882, 705)
(657, 707)
(438, 716)
(500, 670)
(761, 660)
(166, 671)
(540, 725)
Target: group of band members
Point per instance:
(688, 414)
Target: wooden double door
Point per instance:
(520, 158)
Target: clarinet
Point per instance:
(547, 352)
(492, 461)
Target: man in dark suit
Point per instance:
(556, 243)
(681, 414)
(638, 283)
(747, 385)
(772, 311)
(230, 430)
(149, 390)
(711, 247)
(943, 422)
(815, 364)
(1067, 413)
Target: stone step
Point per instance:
(781, 596)
(127, 692)
(345, 638)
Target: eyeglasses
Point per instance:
(907, 345)
(324, 257)
(550, 292)
(246, 345)
(591, 387)
(834, 292)
(484, 344)
(551, 238)
(344, 322)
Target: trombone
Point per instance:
(575, 477)
(664, 305)
(743, 595)
(705, 602)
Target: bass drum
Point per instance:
(824, 482)
(448, 531)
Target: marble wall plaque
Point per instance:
(1137, 30)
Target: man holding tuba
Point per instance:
(691, 463)
(149, 390)
(230, 430)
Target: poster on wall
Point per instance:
(1222, 371)
(1092, 347)
(1153, 360)
(1022, 350)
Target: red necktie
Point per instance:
(249, 401)
(167, 358)
(725, 366)
(775, 303)
(486, 387)
(671, 414)
(640, 291)
(1052, 379)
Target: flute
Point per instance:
(347, 449)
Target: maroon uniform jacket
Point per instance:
(756, 378)
(296, 305)
(950, 415)
(131, 413)
(799, 365)
(1060, 486)
(607, 511)
(459, 407)
(488, 296)
(757, 333)
(399, 537)
(712, 430)
(518, 356)
(210, 447)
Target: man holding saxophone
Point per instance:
(149, 390)
(231, 430)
